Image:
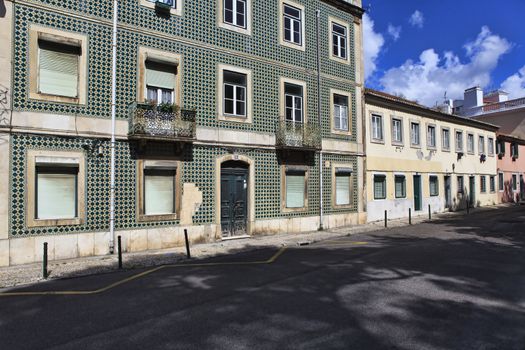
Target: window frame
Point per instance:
(235, 99)
(481, 142)
(221, 20)
(396, 176)
(221, 115)
(412, 144)
(482, 184)
(501, 181)
(492, 183)
(470, 136)
(59, 37)
(61, 159)
(443, 130)
(382, 126)
(385, 189)
(285, 168)
(347, 168)
(177, 11)
(142, 166)
(348, 95)
(460, 189)
(282, 40)
(515, 178)
(401, 133)
(429, 146)
(430, 178)
(457, 147)
(336, 21)
(282, 98)
(490, 146)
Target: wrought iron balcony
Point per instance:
(305, 136)
(147, 122)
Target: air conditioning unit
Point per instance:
(163, 7)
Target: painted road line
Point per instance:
(271, 260)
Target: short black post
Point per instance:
(410, 216)
(187, 244)
(119, 252)
(429, 213)
(44, 262)
(386, 219)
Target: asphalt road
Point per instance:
(450, 284)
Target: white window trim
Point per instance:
(415, 145)
(395, 142)
(482, 151)
(58, 157)
(332, 112)
(473, 151)
(174, 11)
(462, 149)
(449, 139)
(433, 148)
(331, 21)
(248, 18)
(146, 53)
(336, 166)
(58, 36)
(372, 138)
(220, 94)
(283, 42)
(282, 98)
(386, 187)
(491, 154)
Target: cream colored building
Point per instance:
(418, 157)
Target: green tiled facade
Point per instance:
(203, 45)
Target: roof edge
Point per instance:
(347, 7)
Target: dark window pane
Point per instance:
(228, 106)
(289, 112)
(289, 101)
(293, 89)
(234, 78)
(228, 91)
(340, 100)
(241, 106)
(228, 16)
(292, 11)
(228, 5)
(241, 93)
(240, 19)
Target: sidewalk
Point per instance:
(32, 273)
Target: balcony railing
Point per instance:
(292, 135)
(496, 107)
(149, 122)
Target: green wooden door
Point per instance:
(417, 193)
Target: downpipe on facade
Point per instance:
(113, 117)
(318, 15)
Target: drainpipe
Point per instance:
(113, 117)
(318, 15)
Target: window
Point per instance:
(490, 144)
(295, 188)
(400, 183)
(57, 65)
(501, 182)
(481, 145)
(55, 188)
(460, 184)
(397, 131)
(292, 27)
(445, 142)
(492, 184)
(470, 143)
(414, 134)
(339, 41)
(459, 141)
(158, 190)
(234, 102)
(343, 178)
(434, 185)
(160, 82)
(175, 5)
(377, 127)
(56, 192)
(379, 186)
(341, 112)
(483, 183)
(431, 136)
(514, 182)
(500, 147)
(514, 150)
(234, 94)
(293, 97)
(235, 12)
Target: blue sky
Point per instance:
(422, 48)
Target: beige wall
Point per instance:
(388, 159)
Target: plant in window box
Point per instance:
(482, 158)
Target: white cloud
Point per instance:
(427, 79)
(417, 19)
(373, 42)
(395, 32)
(515, 84)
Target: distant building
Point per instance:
(419, 157)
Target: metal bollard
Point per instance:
(119, 252)
(187, 244)
(429, 213)
(468, 205)
(44, 261)
(386, 219)
(410, 216)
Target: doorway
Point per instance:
(522, 188)
(234, 199)
(472, 191)
(448, 193)
(417, 193)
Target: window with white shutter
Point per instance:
(58, 69)
(56, 192)
(343, 178)
(159, 192)
(295, 183)
(161, 79)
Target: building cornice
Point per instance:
(382, 99)
(347, 7)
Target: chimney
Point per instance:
(473, 98)
(496, 97)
